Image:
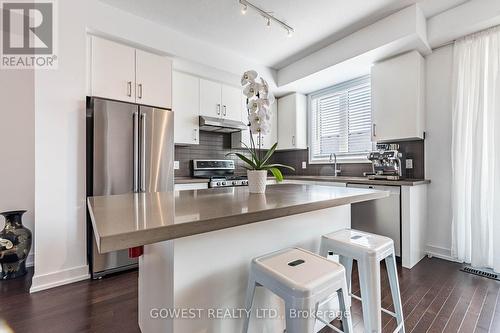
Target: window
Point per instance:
(341, 121)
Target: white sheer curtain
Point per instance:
(476, 150)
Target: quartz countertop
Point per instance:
(135, 219)
(361, 180)
(338, 179)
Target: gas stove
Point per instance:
(220, 172)
(227, 181)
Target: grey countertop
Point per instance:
(135, 219)
(339, 179)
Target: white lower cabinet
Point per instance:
(186, 107)
(190, 186)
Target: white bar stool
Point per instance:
(304, 280)
(368, 250)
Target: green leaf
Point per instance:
(277, 174)
(278, 166)
(269, 153)
(254, 155)
(246, 160)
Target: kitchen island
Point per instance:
(199, 244)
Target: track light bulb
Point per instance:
(290, 33)
(244, 9)
(268, 22)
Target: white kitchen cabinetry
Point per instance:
(190, 186)
(113, 70)
(268, 140)
(398, 98)
(292, 122)
(220, 100)
(186, 107)
(123, 73)
(153, 79)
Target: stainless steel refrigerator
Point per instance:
(130, 148)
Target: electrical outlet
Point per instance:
(304, 165)
(409, 163)
(176, 165)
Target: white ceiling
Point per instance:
(317, 23)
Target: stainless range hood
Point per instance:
(213, 124)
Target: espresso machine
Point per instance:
(386, 162)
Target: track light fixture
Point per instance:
(268, 16)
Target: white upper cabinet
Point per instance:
(124, 73)
(113, 70)
(292, 122)
(186, 107)
(220, 100)
(153, 79)
(210, 98)
(231, 102)
(398, 98)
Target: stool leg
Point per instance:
(249, 301)
(392, 272)
(346, 310)
(323, 248)
(299, 323)
(369, 277)
(347, 263)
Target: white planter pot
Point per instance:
(257, 180)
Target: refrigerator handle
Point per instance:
(136, 152)
(143, 152)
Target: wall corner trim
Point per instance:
(59, 278)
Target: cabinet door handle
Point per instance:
(129, 88)
(293, 140)
(140, 90)
(218, 109)
(225, 111)
(195, 134)
(374, 129)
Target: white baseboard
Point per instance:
(59, 278)
(30, 261)
(440, 252)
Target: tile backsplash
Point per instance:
(212, 146)
(294, 158)
(216, 145)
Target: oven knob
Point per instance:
(218, 183)
(245, 182)
(234, 183)
(223, 183)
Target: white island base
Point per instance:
(207, 273)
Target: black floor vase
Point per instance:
(15, 245)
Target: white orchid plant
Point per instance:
(259, 101)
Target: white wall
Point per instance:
(60, 125)
(17, 144)
(439, 68)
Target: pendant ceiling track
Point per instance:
(245, 5)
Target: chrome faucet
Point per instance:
(333, 158)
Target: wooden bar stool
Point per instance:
(305, 281)
(368, 250)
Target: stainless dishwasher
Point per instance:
(381, 216)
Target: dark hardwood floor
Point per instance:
(437, 297)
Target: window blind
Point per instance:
(341, 119)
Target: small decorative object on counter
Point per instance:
(15, 245)
(259, 100)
